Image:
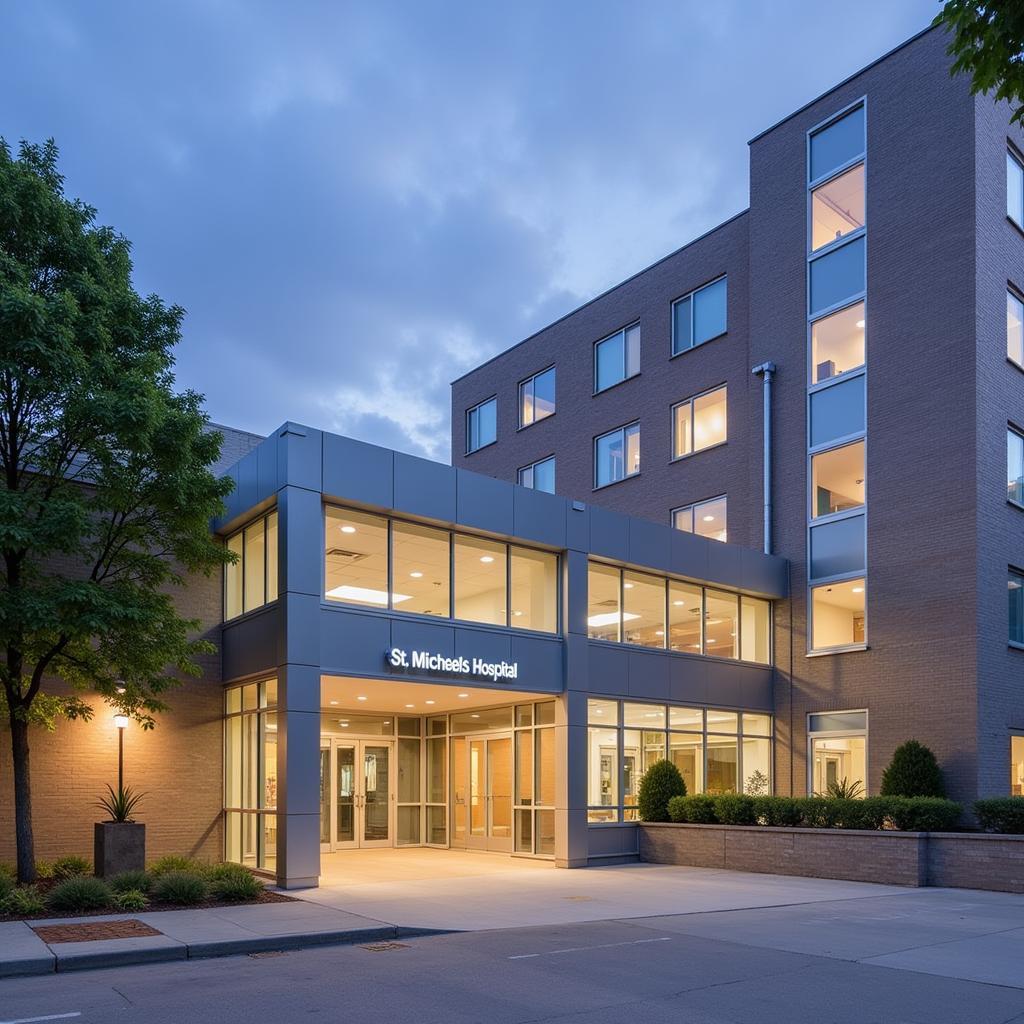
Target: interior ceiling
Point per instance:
(848, 595)
(392, 696)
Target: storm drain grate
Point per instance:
(384, 947)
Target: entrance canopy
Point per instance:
(392, 696)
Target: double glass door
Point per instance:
(482, 792)
(356, 793)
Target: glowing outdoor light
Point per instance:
(121, 721)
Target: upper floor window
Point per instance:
(1014, 329)
(537, 397)
(838, 614)
(251, 581)
(617, 455)
(836, 276)
(837, 480)
(1015, 592)
(837, 144)
(540, 475)
(837, 343)
(1014, 466)
(705, 518)
(837, 207)
(699, 316)
(436, 572)
(482, 425)
(1014, 189)
(617, 357)
(699, 423)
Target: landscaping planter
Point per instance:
(118, 847)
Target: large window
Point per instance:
(537, 397)
(837, 614)
(1015, 594)
(617, 357)
(375, 562)
(699, 316)
(837, 480)
(617, 455)
(699, 423)
(837, 207)
(837, 343)
(837, 749)
(1014, 466)
(1014, 329)
(539, 475)
(705, 518)
(836, 144)
(1017, 766)
(251, 580)
(715, 751)
(482, 425)
(637, 607)
(1014, 190)
(250, 774)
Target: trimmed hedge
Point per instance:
(1001, 814)
(905, 814)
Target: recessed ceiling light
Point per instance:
(410, 705)
(860, 323)
(360, 698)
(334, 702)
(487, 559)
(709, 519)
(627, 586)
(416, 574)
(858, 590)
(679, 604)
(429, 702)
(348, 529)
(712, 640)
(659, 632)
(344, 725)
(474, 716)
(517, 614)
(463, 695)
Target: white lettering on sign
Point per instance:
(427, 661)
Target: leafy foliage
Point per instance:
(988, 42)
(236, 887)
(923, 814)
(6, 885)
(185, 887)
(734, 809)
(131, 900)
(82, 892)
(120, 804)
(1001, 814)
(845, 789)
(659, 784)
(779, 811)
(174, 862)
(913, 771)
(757, 783)
(698, 809)
(23, 902)
(70, 867)
(105, 491)
(127, 880)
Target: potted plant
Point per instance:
(119, 844)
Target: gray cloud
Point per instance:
(358, 202)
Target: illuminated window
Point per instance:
(837, 480)
(1014, 190)
(837, 614)
(482, 425)
(1017, 766)
(837, 343)
(837, 743)
(617, 455)
(421, 568)
(643, 609)
(837, 207)
(1014, 466)
(721, 623)
(699, 316)
(617, 358)
(251, 580)
(699, 423)
(480, 580)
(1015, 593)
(534, 587)
(705, 518)
(603, 602)
(1014, 329)
(537, 397)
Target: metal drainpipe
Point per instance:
(766, 370)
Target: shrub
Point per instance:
(659, 784)
(698, 809)
(131, 880)
(70, 867)
(130, 900)
(174, 862)
(820, 812)
(80, 892)
(913, 771)
(227, 869)
(844, 789)
(923, 814)
(44, 869)
(236, 887)
(778, 811)
(6, 885)
(735, 809)
(1001, 814)
(186, 887)
(8, 871)
(23, 902)
(873, 812)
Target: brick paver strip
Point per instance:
(93, 932)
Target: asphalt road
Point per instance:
(645, 971)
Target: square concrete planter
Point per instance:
(118, 846)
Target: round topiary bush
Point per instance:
(81, 892)
(184, 887)
(659, 784)
(913, 771)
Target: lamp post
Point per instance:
(121, 721)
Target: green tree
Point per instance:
(913, 771)
(988, 44)
(105, 489)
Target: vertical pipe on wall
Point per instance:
(765, 371)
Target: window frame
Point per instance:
(1013, 570)
(1012, 428)
(1014, 154)
(600, 437)
(263, 517)
(692, 508)
(691, 401)
(475, 409)
(817, 129)
(625, 355)
(532, 466)
(691, 295)
(1016, 294)
(824, 581)
(837, 734)
(838, 378)
(531, 380)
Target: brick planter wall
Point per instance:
(976, 861)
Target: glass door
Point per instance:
(325, 794)
(345, 795)
(487, 764)
(356, 798)
(375, 800)
(499, 793)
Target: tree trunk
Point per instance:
(22, 801)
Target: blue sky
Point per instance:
(356, 203)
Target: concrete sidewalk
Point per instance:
(191, 934)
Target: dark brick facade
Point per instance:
(940, 392)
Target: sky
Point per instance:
(356, 203)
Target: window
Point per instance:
(480, 581)
(1014, 190)
(837, 548)
(1015, 593)
(534, 588)
(836, 276)
(643, 609)
(721, 626)
(837, 747)
(1014, 467)
(837, 480)
(1014, 329)
(699, 316)
(837, 343)
(1017, 766)
(603, 620)
(837, 144)
(617, 455)
(617, 357)
(699, 423)
(756, 629)
(356, 559)
(837, 411)
(540, 475)
(537, 397)
(251, 581)
(421, 569)
(837, 615)
(685, 617)
(705, 518)
(837, 207)
(482, 425)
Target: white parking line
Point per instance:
(34, 1020)
(580, 949)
